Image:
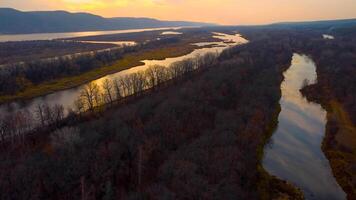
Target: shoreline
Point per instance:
(339, 141)
(338, 146)
(270, 186)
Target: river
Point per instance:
(294, 153)
(51, 36)
(67, 97)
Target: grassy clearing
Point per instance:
(130, 60)
(347, 132)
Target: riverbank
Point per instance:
(340, 147)
(339, 144)
(269, 186)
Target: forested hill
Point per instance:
(16, 22)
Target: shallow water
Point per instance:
(294, 153)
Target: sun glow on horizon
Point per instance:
(216, 11)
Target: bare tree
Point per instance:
(58, 113)
(138, 82)
(175, 70)
(79, 105)
(27, 123)
(3, 129)
(48, 114)
(12, 127)
(90, 96)
(108, 88)
(206, 60)
(29, 120)
(162, 74)
(126, 85)
(40, 114)
(155, 75)
(187, 65)
(118, 88)
(151, 77)
(7, 127)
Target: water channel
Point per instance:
(294, 153)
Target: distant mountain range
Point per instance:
(17, 22)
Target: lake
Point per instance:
(294, 153)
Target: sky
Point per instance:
(225, 12)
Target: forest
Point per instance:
(25, 51)
(195, 130)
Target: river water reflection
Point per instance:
(294, 153)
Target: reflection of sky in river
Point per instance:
(67, 97)
(51, 36)
(295, 154)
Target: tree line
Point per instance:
(27, 51)
(135, 84)
(16, 77)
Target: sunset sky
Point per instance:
(217, 11)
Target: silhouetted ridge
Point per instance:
(15, 22)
